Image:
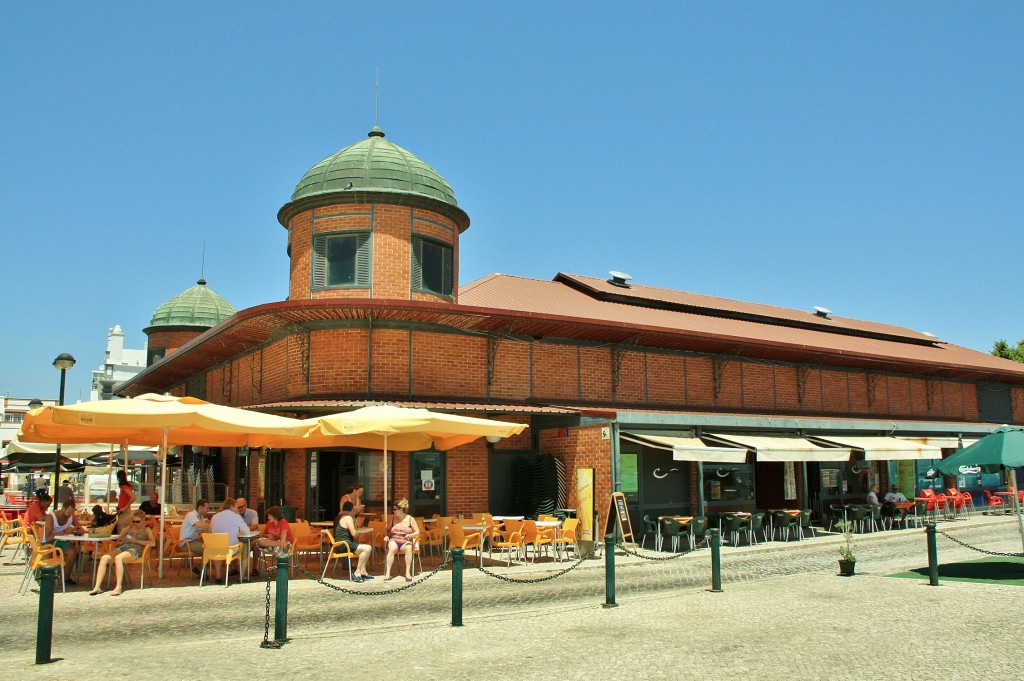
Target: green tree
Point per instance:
(1004, 349)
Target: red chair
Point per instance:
(994, 502)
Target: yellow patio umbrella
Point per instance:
(158, 420)
(404, 429)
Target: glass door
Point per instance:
(426, 483)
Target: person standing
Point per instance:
(125, 499)
(64, 492)
(355, 496)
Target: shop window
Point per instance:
(728, 483)
(994, 403)
(341, 261)
(432, 267)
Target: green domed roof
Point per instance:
(375, 164)
(198, 306)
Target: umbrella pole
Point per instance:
(163, 500)
(385, 482)
(1016, 504)
(110, 471)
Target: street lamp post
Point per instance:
(63, 362)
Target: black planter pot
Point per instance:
(846, 567)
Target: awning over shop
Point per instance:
(881, 447)
(778, 447)
(942, 442)
(688, 448)
(73, 451)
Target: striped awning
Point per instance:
(782, 447)
(688, 448)
(882, 447)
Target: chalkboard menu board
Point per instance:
(617, 521)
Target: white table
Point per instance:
(83, 538)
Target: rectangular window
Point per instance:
(432, 267)
(341, 261)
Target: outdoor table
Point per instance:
(83, 538)
(508, 517)
(248, 539)
(322, 523)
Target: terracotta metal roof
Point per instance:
(532, 308)
(336, 405)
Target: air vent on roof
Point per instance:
(619, 279)
(929, 334)
(822, 312)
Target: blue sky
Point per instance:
(866, 157)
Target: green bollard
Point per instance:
(933, 555)
(457, 557)
(281, 599)
(44, 625)
(716, 561)
(609, 571)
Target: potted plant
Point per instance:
(847, 560)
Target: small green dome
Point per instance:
(374, 164)
(198, 306)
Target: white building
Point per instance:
(119, 364)
(12, 413)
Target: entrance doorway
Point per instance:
(427, 477)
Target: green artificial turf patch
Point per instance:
(994, 570)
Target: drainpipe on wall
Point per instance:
(616, 470)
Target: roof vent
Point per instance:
(620, 279)
(929, 334)
(822, 312)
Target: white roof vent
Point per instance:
(822, 312)
(620, 279)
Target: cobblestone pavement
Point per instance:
(783, 614)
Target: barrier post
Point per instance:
(44, 624)
(609, 571)
(716, 561)
(933, 555)
(281, 599)
(457, 558)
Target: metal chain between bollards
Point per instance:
(975, 548)
(505, 578)
(267, 643)
(387, 592)
(680, 554)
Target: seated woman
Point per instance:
(345, 530)
(402, 537)
(129, 547)
(62, 522)
(277, 535)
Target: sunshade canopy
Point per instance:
(882, 448)
(1002, 449)
(72, 451)
(689, 448)
(779, 447)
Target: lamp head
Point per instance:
(493, 438)
(35, 403)
(63, 362)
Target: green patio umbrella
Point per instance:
(1001, 450)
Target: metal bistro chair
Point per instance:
(756, 524)
(650, 530)
(804, 523)
(671, 529)
(734, 526)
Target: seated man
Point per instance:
(250, 516)
(229, 522)
(895, 495)
(152, 505)
(193, 525)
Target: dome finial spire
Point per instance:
(376, 102)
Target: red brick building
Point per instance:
(626, 381)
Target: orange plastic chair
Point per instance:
(508, 541)
(568, 537)
(457, 538)
(216, 548)
(535, 537)
(339, 549)
(42, 555)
